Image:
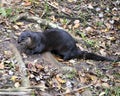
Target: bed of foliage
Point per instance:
(95, 24)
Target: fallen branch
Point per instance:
(16, 93)
(21, 91)
(38, 20)
(67, 15)
(75, 90)
(44, 22)
(57, 8)
(21, 64)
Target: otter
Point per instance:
(57, 41)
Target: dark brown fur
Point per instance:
(57, 41)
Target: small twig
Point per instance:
(70, 18)
(75, 90)
(21, 91)
(57, 8)
(67, 15)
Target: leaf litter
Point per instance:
(101, 26)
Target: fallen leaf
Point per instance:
(31, 76)
(72, 61)
(59, 79)
(83, 80)
(37, 78)
(102, 94)
(2, 66)
(89, 29)
(98, 9)
(117, 53)
(76, 21)
(66, 10)
(10, 72)
(16, 27)
(108, 25)
(102, 51)
(13, 78)
(93, 78)
(90, 6)
(8, 54)
(19, 23)
(27, 3)
(76, 26)
(87, 93)
(117, 24)
(101, 15)
(53, 18)
(69, 84)
(39, 66)
(106, 30)
(17, 84)
(106, 85)
(71, 0)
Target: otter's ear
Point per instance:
(28, 35)
(43, 38)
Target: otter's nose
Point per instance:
(19, 40)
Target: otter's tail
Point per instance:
(91, 56)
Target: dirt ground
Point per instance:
(54, 76)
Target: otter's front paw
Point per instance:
(29, 52)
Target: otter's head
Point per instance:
(25, 38)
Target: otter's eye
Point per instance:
(22, 39)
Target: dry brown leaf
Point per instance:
(89, 29)
(27, 3)
(117, 24)
(106, 30)
(17, 84)
(53, 18)
(71, 0)
(16, 27)
(64, 26)
(19, 23)
(13, 78)
(2, 66)
(55, 3)
(66, 10)
(106, 85)
(76, 21)
(39, 66)
(102, 51)
(31, 76)
(90, 6)
(93, 78)
(59, 79)
(87, 93)
(108, 25)
(76, 24)
(8, 54)
(111, 38)
(83, 79)
(102, 94)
